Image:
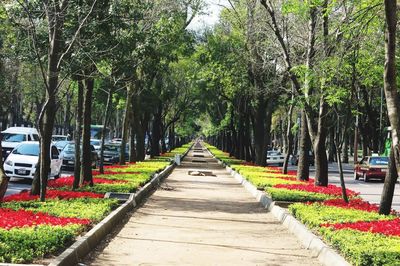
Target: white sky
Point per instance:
(211, 15)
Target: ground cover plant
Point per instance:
(31, 229)
(355, 228)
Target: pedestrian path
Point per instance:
(203, 219)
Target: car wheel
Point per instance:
(356, 177)
(365, 177)
(57, 176)
(280, 164)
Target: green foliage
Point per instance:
(89, 208)
(23, 245)
(281, 194)
(316, 214)
(363, 248)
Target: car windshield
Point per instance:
(95, 142)
(58, 138)
(13, 137)
(273, 153)
(379, 161)
(69, 148)
(111, 148)
(27, 149)
(61, 144)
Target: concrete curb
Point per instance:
(83, 245)
(325, 254)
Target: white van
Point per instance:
(12, 136)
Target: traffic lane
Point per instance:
(370, 191)
(16, 185)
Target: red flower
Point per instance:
(309, 187)
(357, 204)
(114, 173)
(385, 227)
(10, 218)
(69, 180)
(52, 194)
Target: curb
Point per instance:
(85, 244)
(325, 254)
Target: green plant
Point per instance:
(316, 214)
(280, 194)
(23, 245)
(93, 209)
(363, 248)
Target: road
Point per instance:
(370, 191)
(16, 185)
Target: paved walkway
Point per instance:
(203, 220)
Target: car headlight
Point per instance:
(9, 162)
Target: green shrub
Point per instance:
(262, 182)
(23, 245)
(281, 194)
(316, 214)
(89, 208)
(364, 248)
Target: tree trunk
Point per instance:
(289, 137)
(392, 103)
(125, 125)
(78, 135)
(86, 167)
(341, 175)
(346, 150)
(260, 146)
(156, 133)
(4, 179)
(103, 134)
(303, 167)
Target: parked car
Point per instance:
(13, 136)
(96, 144)
(56, 138)
(371, 167)
(23, 160)
(61, 144)
(275, 157)
(116, 140)
(112, 152)
(68, 156)
(295, 159)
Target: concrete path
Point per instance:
(203, 220)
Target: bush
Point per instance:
(93, 209)
(364, 249)
(280, 194)
(23, 245)
(316, 214)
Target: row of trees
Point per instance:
(311, 69)
(107, 62)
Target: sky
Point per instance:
(211, 15)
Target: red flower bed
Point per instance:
(115, 166)
(52, 194)
(309, 187)
(10, 218)
(95, 172)
(357, 204)
(68, 182)
(292, 172)
(389, 228)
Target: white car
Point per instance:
(23, 160)
(56, 138)
(275, 157)
(96, 144)
(12, 136)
